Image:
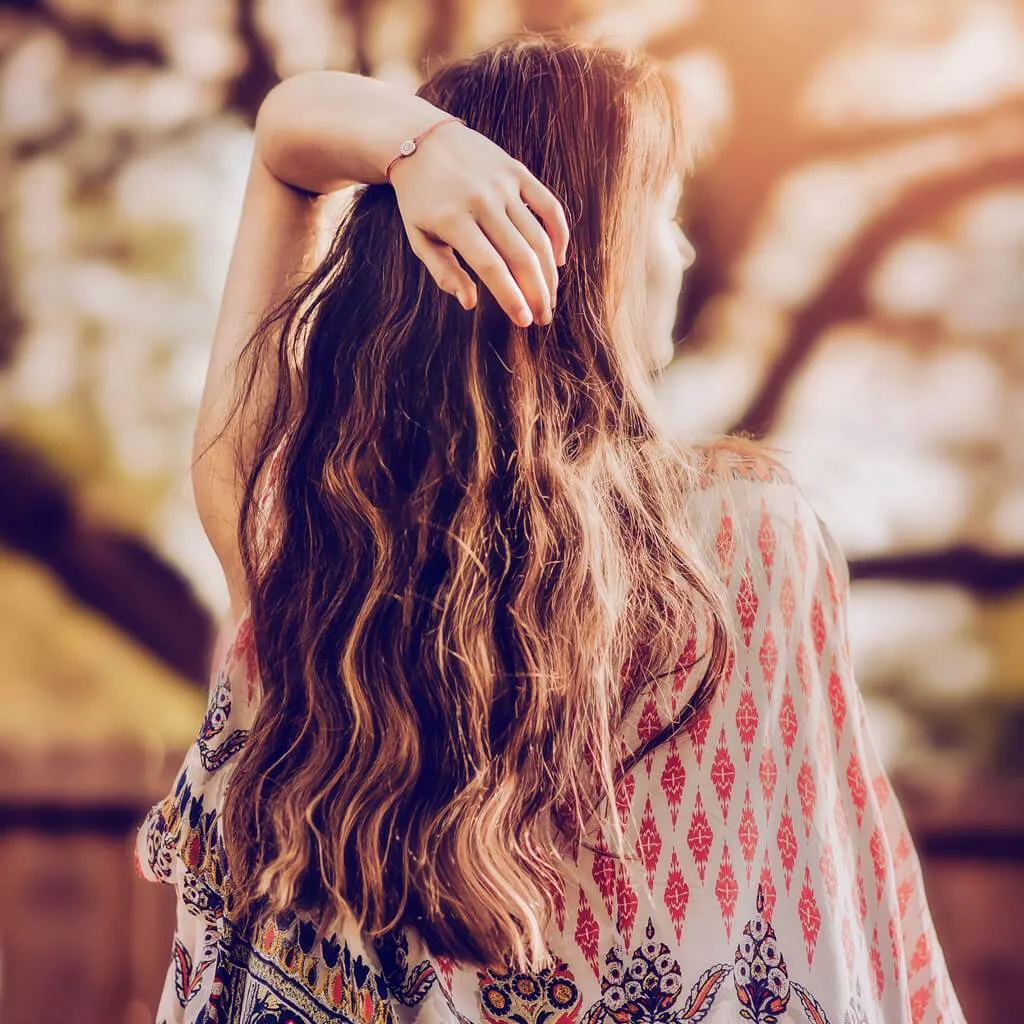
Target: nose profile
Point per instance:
(689, 253)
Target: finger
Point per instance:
(542, 201)
(476, 249)
(537, 238)
(443, 267)
(520, 258)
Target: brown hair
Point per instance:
(486, 557)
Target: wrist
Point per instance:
(412, 144)
(408, 118)
(321, 130)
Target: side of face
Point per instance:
(669, 253)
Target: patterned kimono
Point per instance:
(774, 879)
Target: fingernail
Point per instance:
(524, 317)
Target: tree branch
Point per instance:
(92, 36)
(259, 76)
(110, 571)
(843, 296)
(982, 572)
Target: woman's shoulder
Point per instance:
(745, 494)
(736, 476)
(734, 458)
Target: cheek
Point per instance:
(664, 269)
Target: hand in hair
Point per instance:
(457, 193)
(461, 193)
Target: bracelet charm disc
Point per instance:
(408, 147)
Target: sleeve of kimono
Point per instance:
(914, 943)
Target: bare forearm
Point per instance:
(315, 134)
(323, 130)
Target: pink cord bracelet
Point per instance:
(408, 147)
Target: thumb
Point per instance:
(443, 267)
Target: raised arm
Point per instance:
(316, 133)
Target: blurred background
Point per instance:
(858, 213)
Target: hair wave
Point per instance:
(485, 555)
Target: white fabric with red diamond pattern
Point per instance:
(774, 878)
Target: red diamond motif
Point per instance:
(858, 789)
(808, 793)
(677, 895)
(746, 604)
(862, 901)
(723, 774)
(730, 664)
(587, 933)
(787, 603)
(768, 656)
(604, 876)
(766, 541)
(243, 651)
(648, 846)
(673, 781)
(787, 843)
(769, 774)
(558, 896)
(727, 891)
(787, 721)
(699, 837)
(827, 866)
(698, 730)
(895, 950)
(877, 974)
(627, 904)
(748, 833)
(767, 888)
(810, 916)
(818, 627)
(685, 664)
(446, 966)
(747, 717)
(803, 669)
(921, 1000)
(650, 721)
(880, 784)
(878, 860)
(833, 591)
(902, 851)
(904, 894)
(624, 794)
(800, 542)
(921, 956)
(725, 541)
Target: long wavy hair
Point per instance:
(483, 556)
